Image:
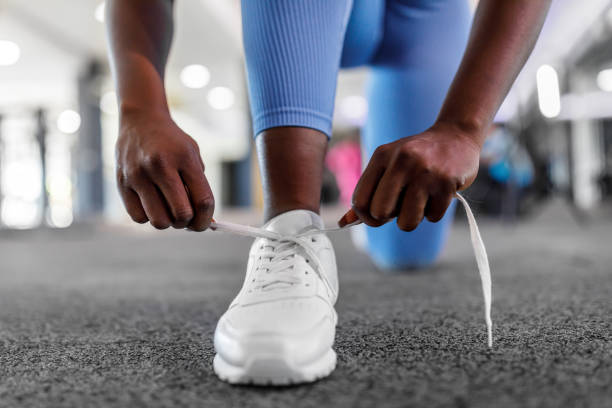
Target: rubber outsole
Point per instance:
(274, 370)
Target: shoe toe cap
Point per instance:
(300, 329)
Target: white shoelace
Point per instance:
(277, 263)
(280, 261)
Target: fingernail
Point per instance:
(343, 221)
(348, 218)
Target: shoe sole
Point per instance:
(274, 370)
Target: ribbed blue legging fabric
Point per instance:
(295, 48)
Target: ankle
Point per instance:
(271, 211)
(291, 161)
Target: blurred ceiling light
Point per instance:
(59, 188)
(604, 80)
(9, 53)
(60, 216)
(108, 103)
(99, 13)
(195, 76)
(19, 214)
(221, 98)
(549, 98)
(354, 108)
(68, 121)
(20, 180)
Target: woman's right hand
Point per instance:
(160, 173)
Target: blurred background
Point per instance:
(96, 310)
(58, 115)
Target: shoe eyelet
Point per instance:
(308, 284)
(308, 261)
(313, 240)
(305, 272)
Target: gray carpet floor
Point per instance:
(125, 317)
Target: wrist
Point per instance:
(472, 132)
(130, 110)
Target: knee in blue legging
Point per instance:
(363, 33)
(293, 52)
(420, 50)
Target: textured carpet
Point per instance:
(105, 317)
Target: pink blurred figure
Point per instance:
(344, 160)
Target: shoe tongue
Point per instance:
(294, 222)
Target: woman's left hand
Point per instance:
(415, 177)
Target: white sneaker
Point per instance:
(280, 328)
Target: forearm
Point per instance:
(139, 36)
(503, 35)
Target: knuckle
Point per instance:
(195, 149)
(379, 214)
(127, 175)
(156, 162)
(401, 163)
(183, 215)
(382, 150)
(379, 150)
(131, 173)
(360, 204)
(205, 203)
(121, 176)
(132, 177)
(405, 153)
(193, 160)
(428, 177)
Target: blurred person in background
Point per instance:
(430, 106)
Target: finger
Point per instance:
(201, 197)
(387, 194)
(348, 218)
(154, 205)
(438, 204)
(365, 190)
(175, 195)
(413, 208)
(133, 205)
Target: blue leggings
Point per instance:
(295, 48)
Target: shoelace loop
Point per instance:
(480, 252)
